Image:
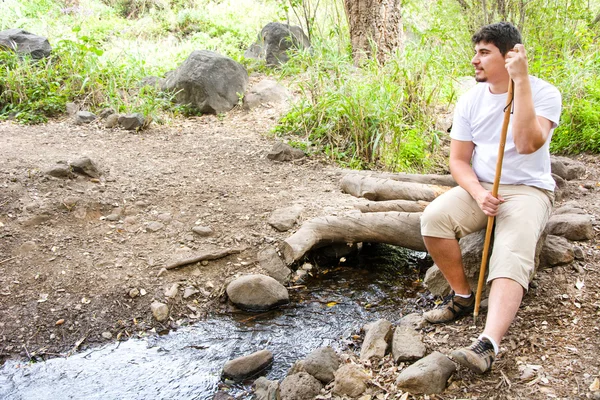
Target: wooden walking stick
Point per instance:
(490, 223)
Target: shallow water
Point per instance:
(187, 363)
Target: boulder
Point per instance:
(208, 81)
(284, 152)
(557, 251)
(274, 42)
(265, 389)
(377, 340)
(266, 91)
(247, 366)
(85, 166)
(429, 375)
(407, 344)
(284, 219)
(350, 380)
(300, 386)
(571, 226)
(566, 168)
(322, 364)
(25, 43)
(257, 293)
(270, 261)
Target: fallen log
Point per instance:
(207, 255)
(427, 179)
(393, 205)
(377, 189)
(397, 228)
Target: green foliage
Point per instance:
(365, 117)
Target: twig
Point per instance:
(208, 255)
(7, 260)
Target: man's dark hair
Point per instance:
(503, 35)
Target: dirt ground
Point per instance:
(81, 259)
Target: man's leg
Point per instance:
(446, 255)
(503, 304)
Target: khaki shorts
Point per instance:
(520, 221)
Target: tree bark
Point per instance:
(393, 205)
(427, 179)
(375, 28)
(397, 228)
(376, 189)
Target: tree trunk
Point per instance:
(376, 189)
(398, 228)
(375, 28)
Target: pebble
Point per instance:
(188, 292)
(107, 335)
(160, 311)
(155, 226)
(112, 217)
(60, 322)
(202, 231)
(133, 293)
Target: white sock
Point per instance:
(489, 339)
(464, 296)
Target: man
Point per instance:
(525, 195)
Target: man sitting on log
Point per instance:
(525, 195)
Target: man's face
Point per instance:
(488, 63)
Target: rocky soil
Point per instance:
(82, 258)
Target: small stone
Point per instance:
(72, 108)
(142, 292)
(204, 263)
(133, 293)
(85, 166)
(84, 117)
(60, 171)
(107, 335)
(106, 112)
(155, 226)
(189, 291)
(111, 121)
(112, 217)
(578, 253)
(202, 231)
(132, 121)
(172, 291)
(160, 311)
(60, 322)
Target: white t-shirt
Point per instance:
(478, 118)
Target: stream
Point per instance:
(187, 363)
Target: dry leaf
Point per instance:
(404, 396)
(331, 303)
(579, 285)
(595, 385)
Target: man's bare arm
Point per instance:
(462, 172)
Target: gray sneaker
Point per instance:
(453, 307)
(478, 357)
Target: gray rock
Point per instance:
(84, 117)
(350, 380)
(111, 121)
(571, 226)
(276, 39)
(106, 112)
(557, 251)
(72, 108)
(132, 121)
(284, 219)
(265, 389)
(559, 187)
(569, 208)
(25, 43)
(300, 386)
(112, 217)
(203, 231)
(160, 311)
(566, 168)
(578, 253)
(257, 293)
(208, 81)
(322, 364)
(60, 171)
(429, 375)
(377, 340)
(414, 320)
(85, 166)
(270, 261)
(284, 152)
(155, 226)
(247, 366)
(107, 335)
(407, 344)
(266, 91)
